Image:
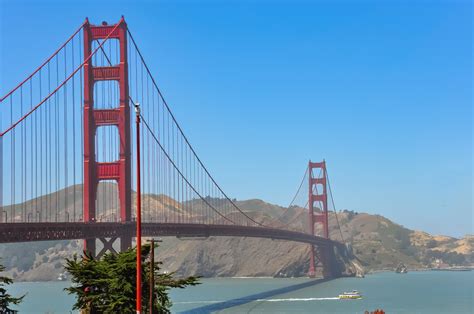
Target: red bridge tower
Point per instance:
(119, 170)
(318, 193)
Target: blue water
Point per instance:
(415, 292)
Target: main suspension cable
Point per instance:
(182, 133)
(276, 219)
(44, 63)
(179, 171)
(334, 206)
(62, 84)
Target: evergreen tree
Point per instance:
(107, 285)
(6, 300)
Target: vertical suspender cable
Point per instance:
(73, 138)
(22, 136)
(40, 153)
(48, 147)
(81, 114)
(334, 206)
(65, 137)
(12, 166)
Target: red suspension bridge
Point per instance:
(68, 163)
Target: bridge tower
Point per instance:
(119, 170)
(318, 193)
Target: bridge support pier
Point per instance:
(327, 260)
(91, 245)
(312, 262)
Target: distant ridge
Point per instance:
(377, 242)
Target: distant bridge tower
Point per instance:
(318, 193)
(119, 170)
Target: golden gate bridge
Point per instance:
(68, 163)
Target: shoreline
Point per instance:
(454, 268)
(380, 271)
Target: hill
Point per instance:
(377, 243)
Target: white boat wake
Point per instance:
(297, 299)
(260, 300)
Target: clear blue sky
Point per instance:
(383, 92)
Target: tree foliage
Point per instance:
(452, 258)
(107, 285)
(6, 300)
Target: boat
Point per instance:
(353, 295)
(62, 277)
(401, 269)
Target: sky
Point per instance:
(381, 90)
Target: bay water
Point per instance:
(416, 292)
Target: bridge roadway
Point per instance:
(46, 231)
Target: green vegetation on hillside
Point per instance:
(22, 255)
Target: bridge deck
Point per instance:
(26, 232)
